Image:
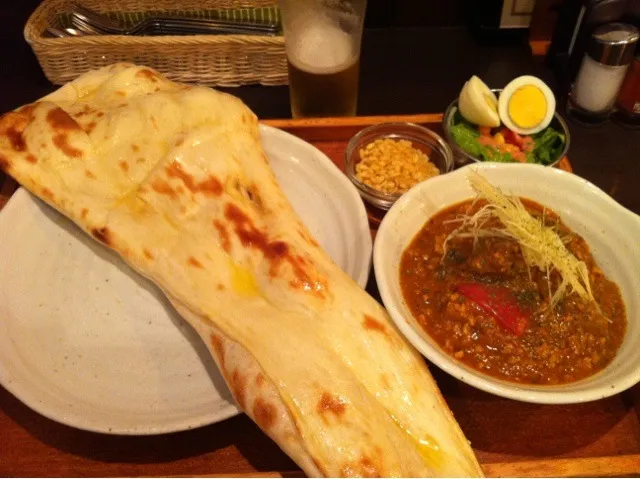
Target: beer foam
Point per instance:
(321, 48)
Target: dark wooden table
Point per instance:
(403, 71)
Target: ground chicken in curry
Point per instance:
(484, 306)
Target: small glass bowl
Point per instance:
(423, 139)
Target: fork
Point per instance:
(53, 32)
(93, 22)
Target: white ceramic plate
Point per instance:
(611, 231)
(87, 342)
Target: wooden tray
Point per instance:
(596, 439)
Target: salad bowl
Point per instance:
(462, 156)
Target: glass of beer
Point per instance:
(322, 41)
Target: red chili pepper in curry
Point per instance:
(499, 302)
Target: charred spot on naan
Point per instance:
(225, 241)
(369, 323)
(366, 466)
(16, 139)
(13, 124)
(218, 349)
(89, 175)
(61, 141)
(194, 262)
(90, 127)
(369, 468)
(148, 75)
(47, 193)
(147, 254)
(60, 120)
(253, 194)
(83, 213)
(135, 148)
(211, 186)
(86, 110)
(331, 404)
(276, 252)
(248, 234)
(62, 125)
(124, 166)
(373, 324)
(103, 235)
(239, 388)
(31, 159)
(164, 188)
(264, 413)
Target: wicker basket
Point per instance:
(217, 60)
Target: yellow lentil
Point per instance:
(393, 166)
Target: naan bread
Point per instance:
(174, 179)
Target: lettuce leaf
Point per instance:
(548, 145)
(466, 136)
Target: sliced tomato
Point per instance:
(512, 137)
(487, 141)
(484, 130)
(528, 143)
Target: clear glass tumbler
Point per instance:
(322, 41)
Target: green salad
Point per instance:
(506, 146)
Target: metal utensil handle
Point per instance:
(218, 22)
(213, 25)
(169, 29)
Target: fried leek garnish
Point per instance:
(541, 245)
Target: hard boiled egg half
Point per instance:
(526, 105)
(478, 104)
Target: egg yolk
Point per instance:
(527, 106)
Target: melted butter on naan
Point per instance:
(175, 180)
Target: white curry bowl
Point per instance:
(613, 235)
